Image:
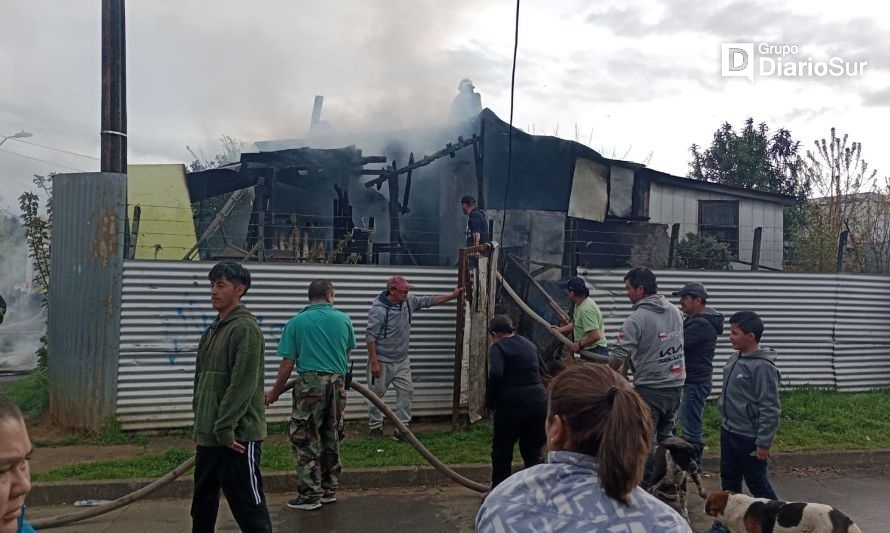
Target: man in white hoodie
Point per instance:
(651, 344)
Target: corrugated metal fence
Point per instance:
(829, 329)
(166, 307)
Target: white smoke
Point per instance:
(25, 320)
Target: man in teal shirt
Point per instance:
(316, 341)
(587, 320)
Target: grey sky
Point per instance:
(635, 76)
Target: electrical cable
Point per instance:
(42, 161)
(510, 131)
(54, 148)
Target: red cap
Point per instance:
(399, 283)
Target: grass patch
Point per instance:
(146, 465)
(812, 419)
(468, 446)
(112, 433)
(30, 394)
(821, 419)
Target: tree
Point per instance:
(847, 198)
(231, 153)
(754, 159)
(751, 159)
(703, 252)
(38, 229)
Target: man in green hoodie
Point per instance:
(230, 420)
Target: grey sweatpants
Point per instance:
(399, 376)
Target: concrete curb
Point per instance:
(67, 492)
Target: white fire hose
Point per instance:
(70, 518)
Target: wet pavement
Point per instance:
(859, 493)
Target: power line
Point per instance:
(54, 148)
(42, 161)
(17, 180)
(510, 131)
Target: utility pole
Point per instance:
(114, 88)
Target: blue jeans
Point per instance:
(692, 405)
(738, 461)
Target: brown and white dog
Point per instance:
(741, 513)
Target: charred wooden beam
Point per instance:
(407, 187)
(478, 151)
(449, 150)
(393, 182)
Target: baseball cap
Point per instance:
(467, 199)
(399, 283)
(693, 288)
(577, 284)
(501, 324)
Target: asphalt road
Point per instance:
(859, 493)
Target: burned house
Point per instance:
(557, 201)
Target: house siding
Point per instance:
(669, 205)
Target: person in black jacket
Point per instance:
(518, 398)
(700, 330)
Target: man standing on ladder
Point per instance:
(477, 227)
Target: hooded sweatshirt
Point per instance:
(389, 325)
(700, 333)
(652, 338)
(228, 394)
(750, 404)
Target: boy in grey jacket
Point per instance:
(651, 343)
(387, 335)
(749, 409)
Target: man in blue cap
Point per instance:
(587, 320)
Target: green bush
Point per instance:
(698, 252)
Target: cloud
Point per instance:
(879, 98)
(856, 38)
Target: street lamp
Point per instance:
(20, 135)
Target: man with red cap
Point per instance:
(387, 334)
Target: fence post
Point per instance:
(462, 281)
(672, 252)
(841, 250)
(755, 251)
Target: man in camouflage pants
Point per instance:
(316, 341)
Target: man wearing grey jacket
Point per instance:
(387, 335)
(651, 343)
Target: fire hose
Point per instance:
(70, 518)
